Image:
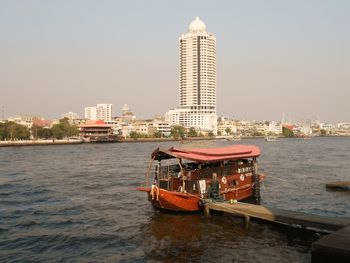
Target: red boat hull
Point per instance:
(178, 201)
(170, 200)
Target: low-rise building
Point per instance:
(71, 116)
(96, 131)
(227, 127)
(25, 120)
(162, 127)
(143, 127)
(188, 118)
(43, 123)
(274, 127)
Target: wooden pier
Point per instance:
(333, 248)
(338, 185)
(327, 249)
(278, 215)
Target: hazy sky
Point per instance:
(272, 56)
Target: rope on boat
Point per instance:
(285, 181)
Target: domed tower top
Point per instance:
(197, 25)
(125, 107)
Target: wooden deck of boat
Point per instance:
(330, 247)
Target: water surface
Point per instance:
(78, 203)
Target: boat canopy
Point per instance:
(233, 152)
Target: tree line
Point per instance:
(177, 132)
(14, 131)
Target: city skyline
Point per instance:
(272, 57)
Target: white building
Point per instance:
(100, 112)
(143, 127)
(274, 127)
(70, 115)
(326, 126)
(225, 126)
(104, 112)
(162, 126)
(90, 113)
(25, 120)
(343, 125)
(197, 80)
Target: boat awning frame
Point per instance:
(206, 155)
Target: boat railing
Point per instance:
(173, 171)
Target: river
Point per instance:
(78, 203)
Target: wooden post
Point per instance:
(158, 179)
(206, 210)
(247, 221)
(182, 175)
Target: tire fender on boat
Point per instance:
(153, 191)
(241, 177)
(224, 180)
(201, 203)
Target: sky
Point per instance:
(273, 57)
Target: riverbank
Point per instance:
(166, 139)
(39, 142)
(124, 140)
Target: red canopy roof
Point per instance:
(208, 154)
(95, 124)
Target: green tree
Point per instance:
(13, 131)
(39, 132)
(135, 135)
(177, 132)
(192, 132)
(34, 131)
(210, 134)
(287, 132)
(228, 131)
(257, 133)
(57, 131)
(45, 133)
(64, 129)
(157, 134)
(2, 131)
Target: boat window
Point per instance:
(233, 183)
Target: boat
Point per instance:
(226, 173)
(304, 136)
(270, 138)
(234, 138)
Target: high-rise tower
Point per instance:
(197, 79)
(197, 68)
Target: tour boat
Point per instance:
(227, 173)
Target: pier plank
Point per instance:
(280, 215)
